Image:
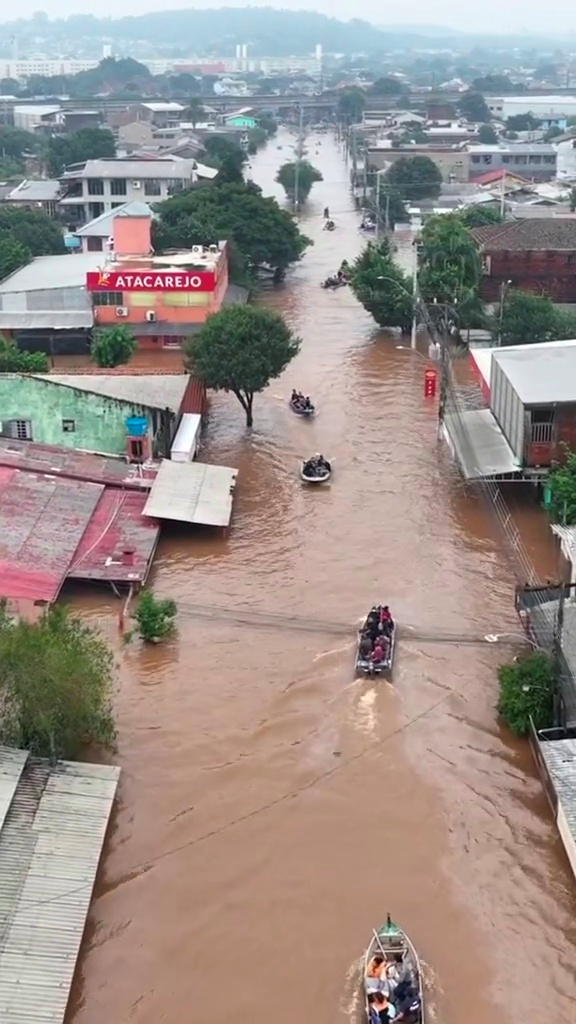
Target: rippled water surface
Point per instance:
(272, 809)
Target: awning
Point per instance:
(192, 492)
(479, 446)
(49, 319)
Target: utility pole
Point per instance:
(298, 159)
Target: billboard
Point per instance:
(150, 281)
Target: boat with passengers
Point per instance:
(376, 642)
(392, 982)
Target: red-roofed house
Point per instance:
(535, 255)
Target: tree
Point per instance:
(382, 287)
(13, 255)
(257, 137)
(195, 111)
(522, 123)
(480, 216)
(241, 349)
(351, 104)
(227, 157)
(449, 264)
(391, 208)
(525, 318)
(388, 86)
(12, 360)
(562, 482)
(486, 135)
(527, 690)
(473, 107)
(265, 236)
(40, 235)
(268, 124)
(297, 178)
(14, 142)
(415, 178)
(155, 617)
(55, 685)
(113, 346)
(572, 200)
(85, 144)
(499, 85)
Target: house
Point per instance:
(531, 391)
(161, 114)
(97, 234)
(242, 118)
(99, 186)
(90, 412)
(500, 178)
(535, 160)
(35, 117)
(53, 304)
(43, 194)
(536, 255)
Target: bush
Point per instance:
(12, 360)
(527, 691)
(155, 617)
(113, 346)
(55, 685)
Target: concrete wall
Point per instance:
(552, 273)
(99, 422)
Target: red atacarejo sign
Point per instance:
(150, 281)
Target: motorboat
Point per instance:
(377, 626)
(316, 470)
(334, 282)
(391, 957)
(299, 407)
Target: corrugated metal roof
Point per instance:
(50, 846)
(66, 271)
(479, 445)
(101, 226)
(540, 374)
(192, 493)
(29, 191)
(53, 320)
(156, 390)
(173, 167)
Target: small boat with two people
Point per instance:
(376, 642)
(392, 981)
(338, 280)
(316, 470)
(329, 225)
(301, 404)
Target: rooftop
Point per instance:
(45, 272)
(192, 492)
(540, 148)
(497, 175)
(102, 226)
(34, 192)
(53, 822)
(162, 167)
(164, 107)
(541, 234)
(542, 374)
(155, 390)
(73, 465)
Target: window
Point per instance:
(95, 187)
(95, 209)
(136, 449)
(107, 299)
(475, 159)
(94, 243)
(68, 426)
(152, 187)
(20, 430)
(571, 258)
(549, 159)
(117, 187)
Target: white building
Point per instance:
(545, 108)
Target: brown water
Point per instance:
(272, 809)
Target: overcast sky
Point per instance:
(489, 16)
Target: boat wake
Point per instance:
(351, 1003)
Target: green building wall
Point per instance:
(100, 422)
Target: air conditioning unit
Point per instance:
(121, 311)
(213, 248)
(151, 316)
(136, 184)
(197, 250)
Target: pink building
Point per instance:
(163, 299)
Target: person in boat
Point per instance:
(409, 1008)
(386, 622)
(295, 398)
(378, 653)
(385, 1009)
(398, 972)
(326, 213)
(307, 404)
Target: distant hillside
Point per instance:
(269, 32)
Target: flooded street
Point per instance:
(272, 810)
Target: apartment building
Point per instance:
(536, 161)
(99, 186)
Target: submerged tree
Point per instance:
(527, 691)
(113, 346)
(155, 617)
(55, 685)
(241, 349)
(382, 287)
(297, 179)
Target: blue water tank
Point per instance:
(137, 426)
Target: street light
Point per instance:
(493, 638)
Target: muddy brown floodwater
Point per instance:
(272, 809)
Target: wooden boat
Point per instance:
(321, 478)
(302, 412)
(391, 942)
(365, 666)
